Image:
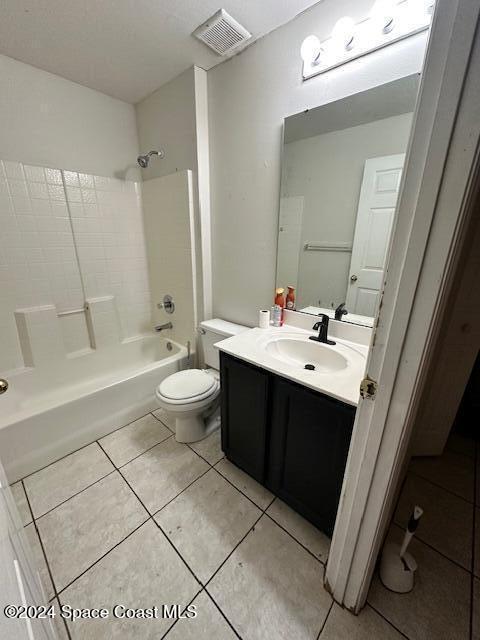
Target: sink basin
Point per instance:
(298, 352)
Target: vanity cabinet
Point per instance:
(290, 438)
(245, 400)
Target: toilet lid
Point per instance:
(186, 385)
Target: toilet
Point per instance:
(192, 397)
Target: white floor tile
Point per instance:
(161, 473)
(209, 624)
(127, 443)
(210, 448)
(302, 530)
(81, 530)
(270, 587)
(207, 521)
(451, 471)
(61, 480)
(368, 625)
(167, 419)
(144, 571)
(247, 485)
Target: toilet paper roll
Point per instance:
(264, 318)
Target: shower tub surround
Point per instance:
(76, 341)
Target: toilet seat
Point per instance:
(186, 387)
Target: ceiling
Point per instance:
(126, 48)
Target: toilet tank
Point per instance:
(212, 331)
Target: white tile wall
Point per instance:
(38, 263)
(108, 229)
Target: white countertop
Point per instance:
(343, 384)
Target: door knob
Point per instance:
(3, 385)
(353, 278)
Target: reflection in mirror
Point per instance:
(342, 166)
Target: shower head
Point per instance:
(145, 159)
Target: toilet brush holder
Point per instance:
(397, 566)
(397, 573)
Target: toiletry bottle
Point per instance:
(280, 301)
(277, 315)
(291, 298)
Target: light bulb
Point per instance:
(311, 50)
(383, 14)
(343, 33)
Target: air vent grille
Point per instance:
(222, 33)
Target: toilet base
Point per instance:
(195, 428)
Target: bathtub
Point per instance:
(49, 412)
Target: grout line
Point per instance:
(239, 490)
(326, 618)
(55, 592)
(221, 611)
(69, 636)
(75, 494)
(162, 422)
(295, 539)
(179, 555)
(439, 486)
(139, 455)
(182, 611)
(28, 504)
(63, 589)
(389, 622)
(252, 528)
(155, 513)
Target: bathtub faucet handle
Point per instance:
(168, 304)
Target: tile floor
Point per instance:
(139, 519)
(445, 604)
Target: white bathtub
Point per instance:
(49, 412)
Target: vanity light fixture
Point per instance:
(388, 21)
(311, 51)
(343, 34)
(383, 14)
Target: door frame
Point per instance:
(433, 213)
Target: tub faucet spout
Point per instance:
(161, 327)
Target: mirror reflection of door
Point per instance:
(376, 206)
(341, 172)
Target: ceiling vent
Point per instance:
(222, 33)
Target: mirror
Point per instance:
(342, 166)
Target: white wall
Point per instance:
(166, 120)
(327, 171)
(249, 96)
(175, 119)
(49, 121)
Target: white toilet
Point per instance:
(192, 397)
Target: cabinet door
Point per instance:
(309, 441)
(244, 415)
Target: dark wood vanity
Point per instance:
(291, 439)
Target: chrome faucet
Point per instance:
(161, 327)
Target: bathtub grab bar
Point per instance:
(70, 312)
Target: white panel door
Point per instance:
(376, 207)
